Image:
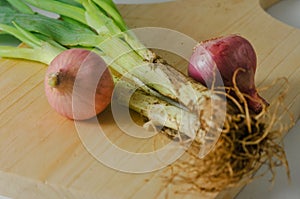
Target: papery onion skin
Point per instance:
(227, 54)
(78, 84)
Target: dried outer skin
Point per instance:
(157, 111)
(204, 114)
(208, 106)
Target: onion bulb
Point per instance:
(78, 84)
(227, 54)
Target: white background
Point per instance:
(287, 11)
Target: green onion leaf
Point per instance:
(42, 56)
(21, 6)
(110, 8)
(28, 35)
(103, 25)
(60, 8)
(64, 32)
(16, 33)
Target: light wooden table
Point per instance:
(41, 155)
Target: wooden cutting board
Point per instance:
(41, 154)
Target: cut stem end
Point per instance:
(53, 80)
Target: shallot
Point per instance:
(231, 54)
(78, 84)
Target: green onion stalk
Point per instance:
(97, 25)
(200, 114)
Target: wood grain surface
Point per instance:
(41, 153)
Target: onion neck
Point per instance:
(53, 80)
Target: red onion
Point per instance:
(227, 54)
(78, 84)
